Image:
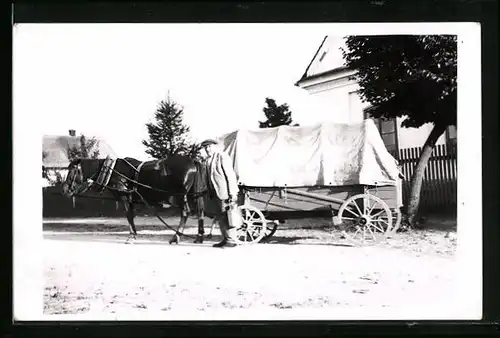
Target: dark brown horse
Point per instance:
(177, 180)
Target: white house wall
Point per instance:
(334, 100)
(356, 106)
(334, 106)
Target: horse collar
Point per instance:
(138, 171)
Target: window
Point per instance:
(388, 132)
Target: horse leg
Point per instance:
(214, 221)
(186, 204)
(201, 227)
(181, 226)
(129, 211)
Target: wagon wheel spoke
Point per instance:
(356, 232)
(378, 227)
(357, 207)
(253, 217)
(378, 213)
(373, 207)
(367, 208)
(246, 234)
(371, 233)
(382, 221)
(249, 216)
(250, 235)
(357, 215)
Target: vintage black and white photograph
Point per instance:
(247, 171)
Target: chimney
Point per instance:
(72, 132)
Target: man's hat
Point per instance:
(206, 143)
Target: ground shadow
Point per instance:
(141, 240)
(298, 240)
(101, 227)
(438, 225)
(285, 240)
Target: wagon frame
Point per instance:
(365, 214)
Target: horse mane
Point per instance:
(132, 160)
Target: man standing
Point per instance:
(223, 189)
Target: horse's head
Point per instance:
(75, 182)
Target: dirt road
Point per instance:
(304, 272)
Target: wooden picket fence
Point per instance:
(439, 186)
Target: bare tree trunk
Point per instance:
(418, 173)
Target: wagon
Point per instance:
(342, 171)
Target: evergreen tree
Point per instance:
(45, 174)
(194, 152)
(88, 148)
(168, 135)
(276, 115)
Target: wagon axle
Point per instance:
(363, 220)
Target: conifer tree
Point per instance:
(168, 134)
(276, 115)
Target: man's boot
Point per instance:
(223, 232)
(231, 236)
(220, 244)
(228, 239)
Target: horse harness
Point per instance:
(108, 168)
(104, 175)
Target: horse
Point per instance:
(176, 180)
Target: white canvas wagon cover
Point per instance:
(326, 154)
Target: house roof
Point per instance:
(327, 60)
(56, 149)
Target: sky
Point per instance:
(106, 80)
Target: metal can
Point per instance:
(234, 216)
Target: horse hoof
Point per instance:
(175, 240)
(130, 240)
(209, 236)
(199, 239)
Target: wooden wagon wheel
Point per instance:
(366, 219)
(253, 228)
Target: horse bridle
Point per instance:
(86, 184)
